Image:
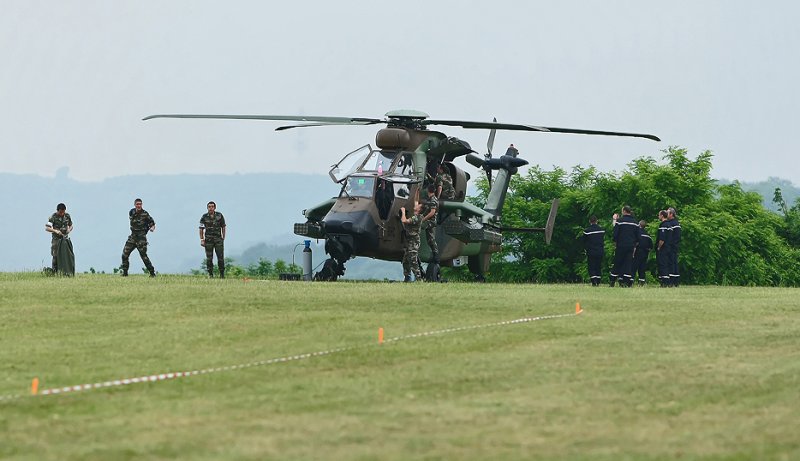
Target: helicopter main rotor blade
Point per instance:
(286, 118)
(484, 125)
(289, 127)
(425, 122)
(522, 127)
(602, 133)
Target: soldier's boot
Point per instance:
(222, 273)
(124, 272)
(152, 271)
(611, 282)
(407, 278)
(436, 257)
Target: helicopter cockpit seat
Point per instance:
(384, 196)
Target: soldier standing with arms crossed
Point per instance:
(141, 224)
(212, 237)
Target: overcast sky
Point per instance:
(76, 78)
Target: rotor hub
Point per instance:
(411, 119)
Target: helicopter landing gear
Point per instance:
(339, 247)
(331, 271)
(432, 273)
(478, 265)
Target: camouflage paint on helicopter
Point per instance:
(363, 220)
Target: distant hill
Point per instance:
(258, 208)
(767, 190)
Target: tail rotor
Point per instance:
(486, 162)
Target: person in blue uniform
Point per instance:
(626, 237)
(595, 250)
(674, 243)
(642, 253)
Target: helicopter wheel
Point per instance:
(328, 272)
(433, 273)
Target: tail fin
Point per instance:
(507, 166)
(551, 221)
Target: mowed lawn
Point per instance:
(642, 373)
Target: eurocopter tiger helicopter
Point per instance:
(363, 220)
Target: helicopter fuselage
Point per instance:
(364, 219)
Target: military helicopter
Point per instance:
(363, 220)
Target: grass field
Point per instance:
(643, 373)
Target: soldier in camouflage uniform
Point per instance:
(141, 223)
(429, 210)
(411, 250)
(212, 237)
(444, 184)
(59, 225)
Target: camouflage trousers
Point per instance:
(140, 243)
(411, 258)
(53, 251)
(430, 235)
(218, 247)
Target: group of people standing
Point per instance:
(424, 216)
(632, 249)
(212, 238)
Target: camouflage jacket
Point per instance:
(429, 205)
(412, 227)
(446, 183)
(60, 223)
(213, 225)
(141, 222)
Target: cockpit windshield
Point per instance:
(378, 162)
(368, 160)
(360, 186)
(350, 163)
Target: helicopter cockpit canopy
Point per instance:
(360, 186)
(367, 160)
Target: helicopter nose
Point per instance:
(358, 225)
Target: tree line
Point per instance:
(729, 237)
(263, 269)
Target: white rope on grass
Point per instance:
(289, 358)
